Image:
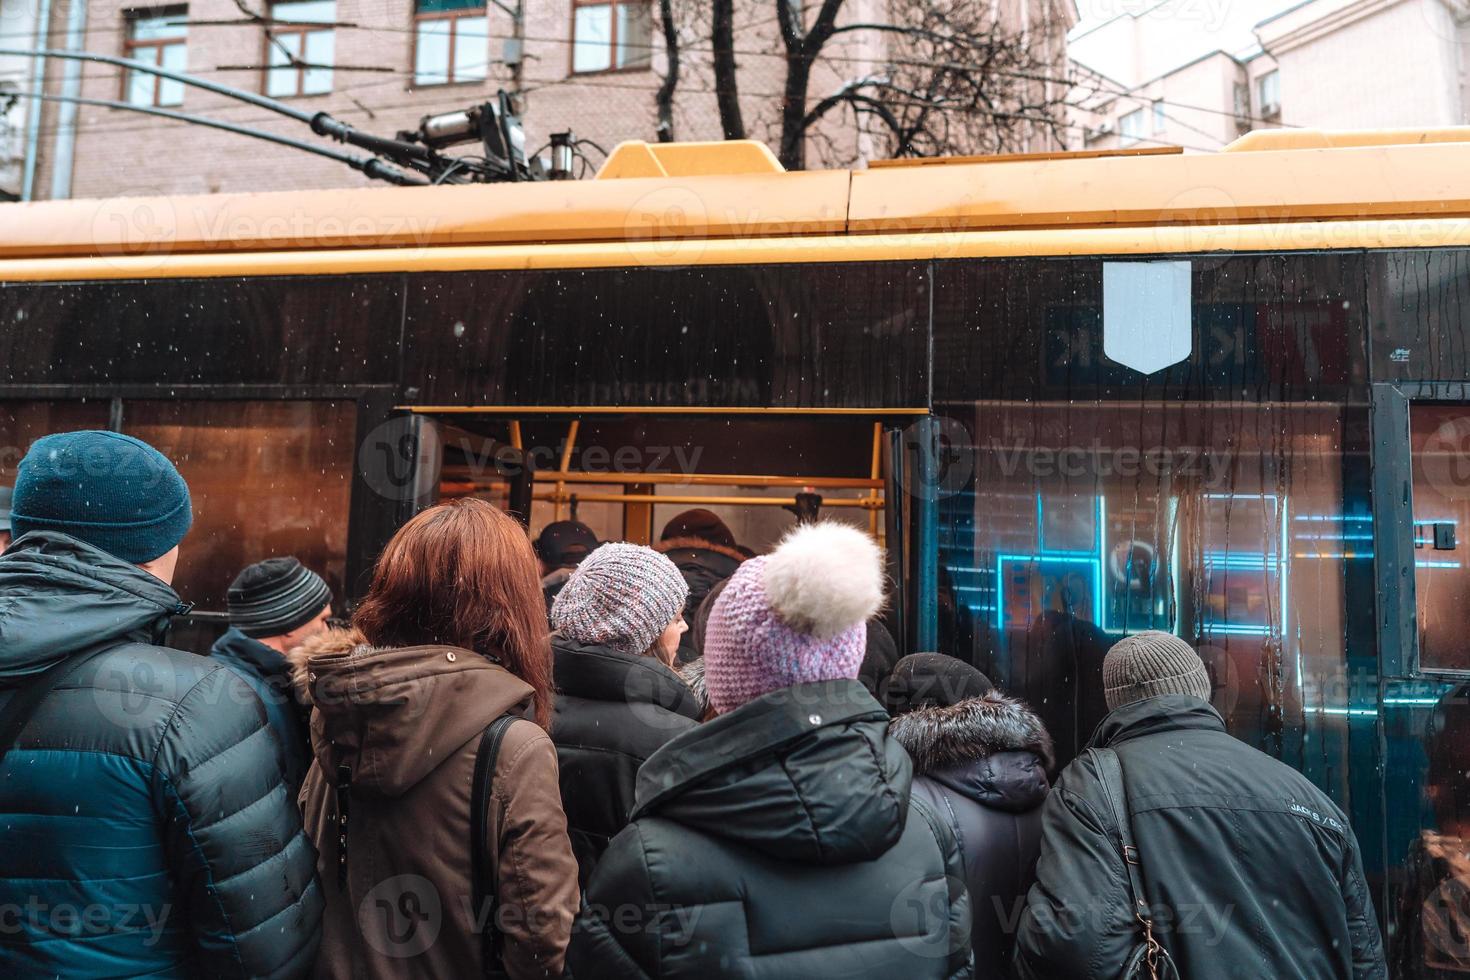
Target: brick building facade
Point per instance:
(591, 66)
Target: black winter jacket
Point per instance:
(779, 840)
(982, 764)
(1251, 871)
(613, 711)
(703, 565)
(145, 789)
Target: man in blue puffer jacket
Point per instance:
(147, 828)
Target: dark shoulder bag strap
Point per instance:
(28, 697)
(1154, 957)
(483, 886)
(1110, 774)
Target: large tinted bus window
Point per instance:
(267, 478)
(1085, 522)
(1222, 496)
(23, 422)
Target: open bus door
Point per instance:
(626, 471)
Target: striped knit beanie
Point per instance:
(1149, 664)
(795, 616)
(275, 596)
(621, 596)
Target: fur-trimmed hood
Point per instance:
(993, 749)
(947, 737)
(697, 544)
(330, 640)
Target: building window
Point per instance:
(156, 37)
(1268, 93)
(300, 45)
(450, 41)
(1159, 117)
(1131, 126)
(611, 35)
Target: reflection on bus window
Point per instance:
(1083, 524)
(1432, 925)
(1440, 435)
(266, 478)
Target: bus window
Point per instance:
(267, 478)
(1430, 920)
(1440, 436)
(22, 423)
(1084, 523)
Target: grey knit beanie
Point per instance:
(1151, 663)
(621, 596)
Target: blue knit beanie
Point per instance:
(112, 491)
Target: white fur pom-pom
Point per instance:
(825, 578)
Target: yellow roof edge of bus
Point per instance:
(1336, 139)
(660, 194)
(636, 158)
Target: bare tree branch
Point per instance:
(936, 77)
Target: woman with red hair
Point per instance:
(451, 666)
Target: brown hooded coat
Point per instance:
(407, 722)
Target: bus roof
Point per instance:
(651, 195)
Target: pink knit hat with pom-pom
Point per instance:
(795, 616)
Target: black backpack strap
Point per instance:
(1110, 774)
(24, 702)
(482, 883)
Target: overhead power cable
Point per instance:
(371, 166)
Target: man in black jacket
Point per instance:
(1250, 870)
(980, 761)
(276, 605)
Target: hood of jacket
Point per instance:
(701, 561)
(59, 595)
(807, 773)
(599, 673)
(992, 749)
(265, 661)
(333, 639)
(1165, 713)
(394, 714)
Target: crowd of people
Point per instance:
(598, 759)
